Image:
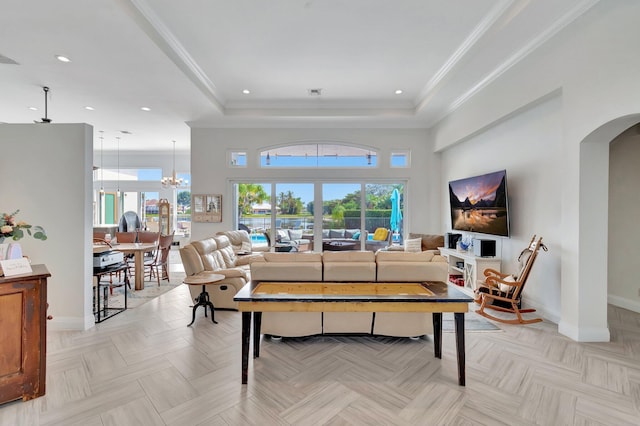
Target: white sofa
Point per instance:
(351, 266)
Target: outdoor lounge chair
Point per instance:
(503, 292)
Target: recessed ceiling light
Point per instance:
(246, 91)
(398, 92)
(145, 108)
(62, 58)
(314, 92)
(33, 108)
(89, 108)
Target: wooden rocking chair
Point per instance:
(503, 292)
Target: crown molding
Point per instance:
(478, 32)
(578, 10)
(160, 34)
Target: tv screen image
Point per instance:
(479, 204)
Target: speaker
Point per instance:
(450, 240)
(484, 248)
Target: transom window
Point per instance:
(318, 155)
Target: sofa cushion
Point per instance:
(295, 234)
(344, 266)
(401, 256)
(226, 251)
(336, 233)
(282, 235)
(236, 238)
(209, 255)
(325, 234)
(348, 256)
(429, 241)
(292, 257)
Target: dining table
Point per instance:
(138, 250)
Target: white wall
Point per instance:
(45, 171)
(210, 173)
(624, 232)
(593, 65)
(528, 146)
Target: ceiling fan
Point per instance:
(45, 119)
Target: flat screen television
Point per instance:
(479, 204)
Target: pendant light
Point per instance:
(118, 190)
(101, 168)
(173, 181)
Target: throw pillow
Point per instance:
(429, 241)
(413, 245)
(356, 236)
(504, 287)
(380, 234)
(349, 233)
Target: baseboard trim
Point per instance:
(622, 302)
(59, 323)
(584, 334)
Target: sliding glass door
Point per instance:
(325, 215)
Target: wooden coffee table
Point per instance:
(430, 296)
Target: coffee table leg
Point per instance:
(257, 322)
(246, 332)
(459, 321)
(437, 334)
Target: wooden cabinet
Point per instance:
(470, 268)
(23, 335)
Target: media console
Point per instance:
(470, 267)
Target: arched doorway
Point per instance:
(584, 299)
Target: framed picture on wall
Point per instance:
(206, 208)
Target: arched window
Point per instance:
(318, 155)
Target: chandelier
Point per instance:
(172, 181)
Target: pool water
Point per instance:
(257, 238)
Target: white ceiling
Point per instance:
(190, 60)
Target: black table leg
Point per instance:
(257, 322)
(459, 322)
(437, 334)
(204, 301)
(246, 333)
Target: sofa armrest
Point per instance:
(248, 259)
(233, 273)
(191, 260)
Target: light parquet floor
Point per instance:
(146, 367)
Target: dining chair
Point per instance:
(149, 237)
(161, 259)
(126, 237)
